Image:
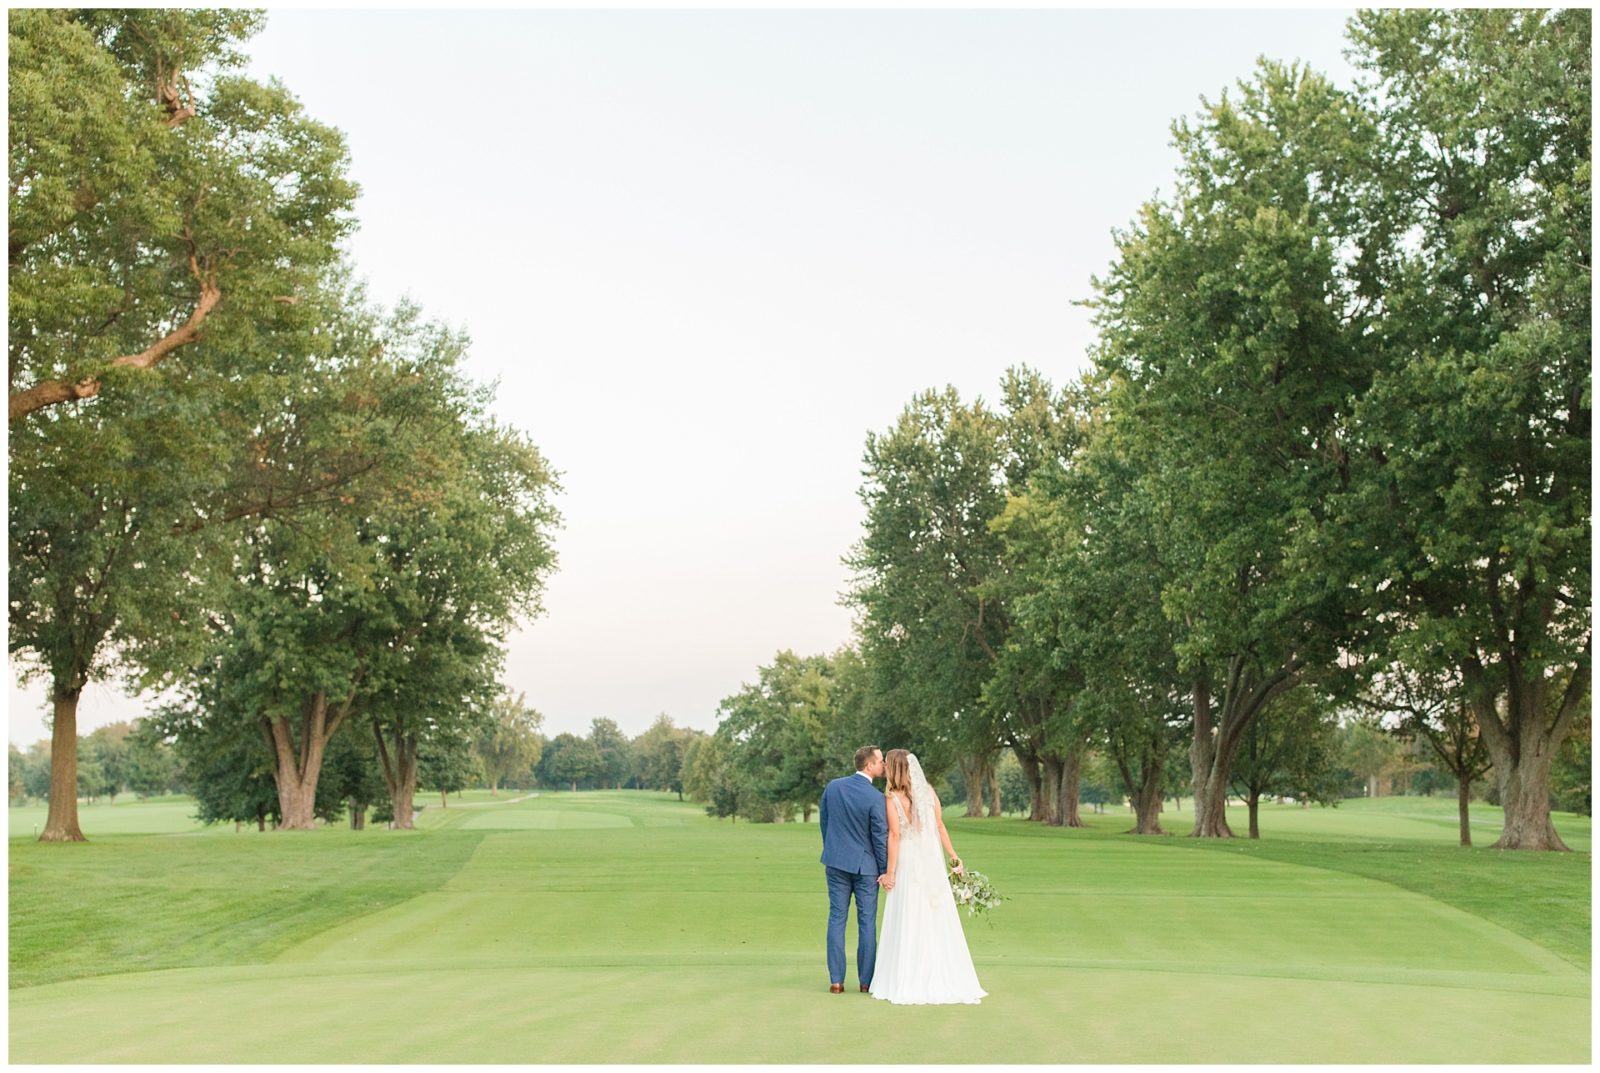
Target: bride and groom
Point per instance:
(895, 841)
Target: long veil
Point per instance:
(925, 849)
(921, 797)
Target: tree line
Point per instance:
(501, 746)
(779, 742)
(1331, 457)
(233, 478)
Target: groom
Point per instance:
(855, 849)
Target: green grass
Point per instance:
(129, 815)
(1529, 893)
(127, 904)
(627, 927)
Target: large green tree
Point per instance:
(1435, 709)
(1232, 333)
(385, 604)
(149, 218)
(509, 747)
(153, 767)
(298, 635)
(613, 748)
(1085, 536)
(1291, 749)
(106, 749)
(102, 578)
(157, 198)
(929, 633)
(1477, 430)
(1032, 682)
(449, 764)
(568, 760)
(658, 755)
(1368, 752)
(229, 773)
(351, 775)
(780, 733)
(456, 569)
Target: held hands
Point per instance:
(886, 881)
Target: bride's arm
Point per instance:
(944, 836)
(894, 841)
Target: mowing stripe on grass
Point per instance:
(679, 939)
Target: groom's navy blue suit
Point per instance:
(855, 849)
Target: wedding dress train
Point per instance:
(922, 951)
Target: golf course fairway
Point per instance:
(627, 927)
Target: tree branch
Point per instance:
(383, 755)
(54, 392)
(344, 709)
(1577, 690)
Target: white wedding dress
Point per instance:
(922, 952)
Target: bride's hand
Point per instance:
(957, 867)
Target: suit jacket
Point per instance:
(855, 827)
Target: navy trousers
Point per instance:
(842, 886)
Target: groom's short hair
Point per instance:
(863, 755)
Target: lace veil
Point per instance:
(922, 817)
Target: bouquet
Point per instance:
(974, 892)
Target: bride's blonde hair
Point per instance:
(896, 772)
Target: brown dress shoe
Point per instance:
(866, 989)
(837, 989)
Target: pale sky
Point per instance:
(705, 252)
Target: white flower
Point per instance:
(974, 891)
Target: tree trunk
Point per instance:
(1525, 793)
(358, 817)
(992, 774)
(970, 774)
(494, 788)
(444, 799)
(297, 799)
(261, 818)
(1523, 747)
(399, 774)
(1202, 756)
(61, 823)
(1030, 770)
(299, 766)
(1463, 796)
(297, 772)
(1071, 783)
(1211, 794)
(1215, 743)
(405, 813)
(1147, 800)
(1052, 791)
(1211, 810)
(1254, 801)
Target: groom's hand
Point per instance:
(886, 882)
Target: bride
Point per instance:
(922, 953)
